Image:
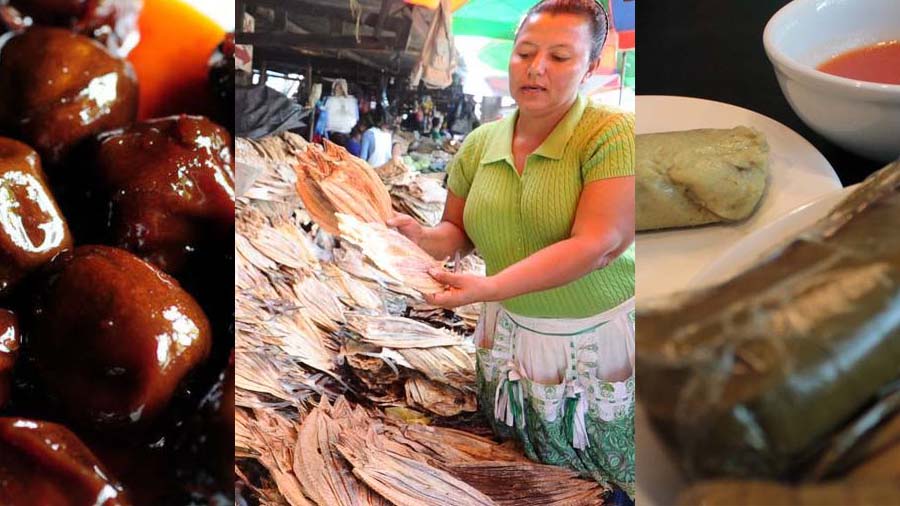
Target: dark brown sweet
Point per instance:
(112, 336)
(43, 464)
(32, 228)
(10, 339)
(168, 186)
(58, 88)
(112, 22)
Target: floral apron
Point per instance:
(563, 387)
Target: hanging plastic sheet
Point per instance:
(260, 111)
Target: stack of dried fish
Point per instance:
(332, 181)
(270, 178)
(422, 198)
(316, 320)
(418, 195)
(341, 455)
(392, 253)
(394, 172)
(345, 197)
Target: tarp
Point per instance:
(496, 19)
(485, 29)
(260, 111)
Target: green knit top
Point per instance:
(509, 217)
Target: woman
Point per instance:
(377, 142)
(547, 198)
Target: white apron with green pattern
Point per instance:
(585, 423)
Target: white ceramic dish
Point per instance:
(756, 246)
(860, 116)
(669, 259)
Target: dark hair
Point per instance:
(592, 10)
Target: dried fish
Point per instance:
(421, 197)
(273, 434)
(757, 493)
(529, 484)
(398, 332)
(452, 446)
(355, 292)
(310, 307)
(392, 252)
(451, 365)
(333, 181)
(403, 480)
(285, 245)
(438, 398)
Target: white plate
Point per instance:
(749, 250)
(668, 260)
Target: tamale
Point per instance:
(748, 378)
(869, 434)
(696, 177)
(755, 493)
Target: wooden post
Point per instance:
(312, 115)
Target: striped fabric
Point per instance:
(509, 217)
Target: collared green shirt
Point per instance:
(510, 217)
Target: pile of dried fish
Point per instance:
(422, 198)
(266, 174)
(332, 181)
(418, 195)
(320, 318)
(342, 454)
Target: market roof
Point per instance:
(289, 34)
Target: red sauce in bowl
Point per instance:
(878, 63)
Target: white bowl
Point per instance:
(863, 117)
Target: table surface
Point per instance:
(713, 49)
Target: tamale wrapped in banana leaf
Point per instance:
(759, 493)
(750, 378)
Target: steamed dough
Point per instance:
(696, 177)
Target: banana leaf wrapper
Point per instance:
(750, 378)
(759, 493)
(865, 442)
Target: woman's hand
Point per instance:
(461, 289)
(408, 226)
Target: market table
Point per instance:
(713, 49)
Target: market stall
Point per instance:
(350, 388)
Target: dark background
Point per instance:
(713, 49)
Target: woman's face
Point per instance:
(550, 60)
